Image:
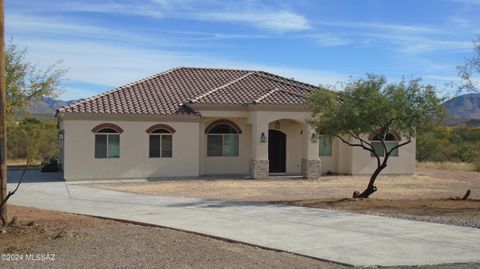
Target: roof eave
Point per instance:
(128, 117)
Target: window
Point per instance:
(325, 144)
(107, 143)
(161, 144)
(390, 140)
(222, 140)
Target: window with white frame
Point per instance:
(390, 142)
(222, 140)
(160, 144)
(107, 144)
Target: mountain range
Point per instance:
(462, 109)
(47, 107)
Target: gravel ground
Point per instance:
(474, 223)
(446, 211)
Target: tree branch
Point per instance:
(11, 193)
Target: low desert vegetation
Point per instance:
(460, 166)
(448, 147)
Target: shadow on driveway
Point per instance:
(33, 176)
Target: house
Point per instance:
(190, 122)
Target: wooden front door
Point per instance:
(277, 151)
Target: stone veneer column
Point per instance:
(259, 168)
(311, 169)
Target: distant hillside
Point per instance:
(47, 107)
(463, 109)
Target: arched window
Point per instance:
(222, 139)
(161, 141)
(107, 142)
(390, 140)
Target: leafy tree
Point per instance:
(372, 106)
(25, 82)
(427, 146)
(470, 71)
(32, 139)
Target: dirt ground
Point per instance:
(87, 242)
(425, 196)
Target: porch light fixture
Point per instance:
(277, 125)
(314, 138)
(263, 138)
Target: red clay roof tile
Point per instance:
(165, 93)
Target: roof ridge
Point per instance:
(195, 99)
(259, 99)
(288, 81)
(83, 100)
(216, 68)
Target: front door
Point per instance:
(277, 151)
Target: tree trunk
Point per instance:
(371, 188)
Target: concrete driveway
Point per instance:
(342, 237)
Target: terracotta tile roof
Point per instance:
(166, 93)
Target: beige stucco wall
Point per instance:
(363, 163)
(190, 146)
(79, 161)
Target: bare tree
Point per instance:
(470, 71)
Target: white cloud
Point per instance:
(250, 12)
(36, 25)
(275, 20)
(329, 39)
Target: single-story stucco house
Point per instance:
(190, 122)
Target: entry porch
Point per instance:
(259, 144)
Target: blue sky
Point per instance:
(105, 44)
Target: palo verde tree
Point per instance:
(25, 84)
(371, 107)
(470, 71)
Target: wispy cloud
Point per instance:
(251, 13)
(412, 44)
(329, 39)
(276, 20)
(381, 26)
(466, 2)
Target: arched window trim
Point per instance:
(393, 133)
(99, 127)
(227, 122)
(378, 147)
(155, 127)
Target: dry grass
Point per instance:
(447, 166)
(390, 187)
(20, 162)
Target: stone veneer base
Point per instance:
(259, 168)
(311, 168)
